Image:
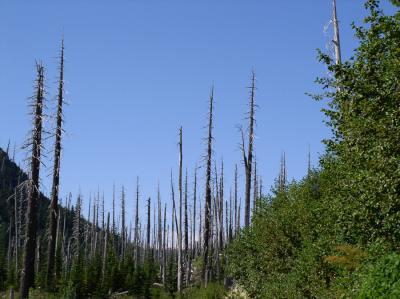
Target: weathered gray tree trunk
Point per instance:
(148, 228)
(237, 221)
(136, 236)
(28, 272)
(159, 230)
(164, 245)
(186, 231)
(282, 174)
(248, 160)
(179, 229)
(336, 34)
(221, 208)
(123, 224)
(194, 212)
(105, 251)
(255, 187)
(56, 178)
(207, 211)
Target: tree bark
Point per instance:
(207, 211)
(28, 272)
(248, 161)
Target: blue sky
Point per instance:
(138, 70)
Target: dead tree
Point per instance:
(221, 208)
(123, 224)
(180, 262)
(164, 245)
(136, 235)
(200, 230)
(28, 272)
(217, 226)
(238, 215)
(237, 221)
(255, 187)
(148, 228)
(282, 179)
(113, 212)
(76, 230)
(105, 250)
(248, 158)
(159, 230)
(56, 176)
(194, 212)
(207, 211)
(336, 35)
(174, 216)
(308, 163)
(186, 230)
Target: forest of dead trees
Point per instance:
(181, 239)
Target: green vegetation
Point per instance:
(323, 237)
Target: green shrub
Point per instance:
(383, 279)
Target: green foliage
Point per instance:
(395, 2)
(311, 239)
(212, 291)
(282, 254)
(364, 155)
(383, 279)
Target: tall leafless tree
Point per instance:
(28, 272)
(336, 34)
(248, 158)
(179, 229)
(56, 176)
(207, 211)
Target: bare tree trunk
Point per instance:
(282, 174)
(194, 212)
(136, 236)
(336, 37)
(216, 235)
(207, 212)
(56, 177)
(186, 227)
(239, 217)
(113, 211)
(165, 243)
(221, 208)
(237, 221)
(201, 230)
(28, 272)
(248, 160)
(176, 221)
(180, 262)
(16, 229)
(159, 233)
(255, 187)
(148, 228)
(123, 224)
(105, 248)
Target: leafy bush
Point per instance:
(383, 279)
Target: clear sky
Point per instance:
(138, 70)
